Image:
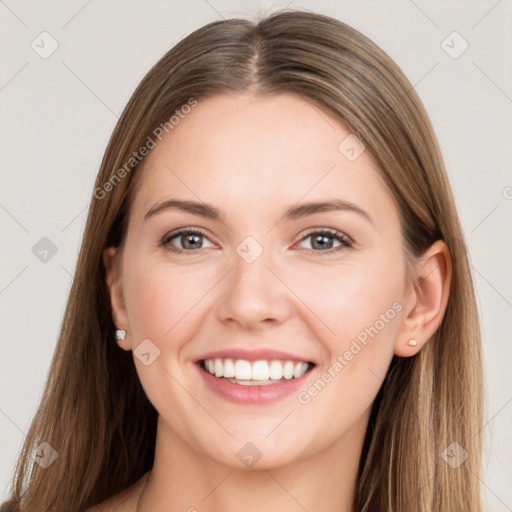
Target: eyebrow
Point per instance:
(294, 212)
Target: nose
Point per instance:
(252, 295)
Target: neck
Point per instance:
(184, 480)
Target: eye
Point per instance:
(189, 239)
(325, 240)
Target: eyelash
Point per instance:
(345, 241)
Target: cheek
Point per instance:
(362, 309)
(356, 317)
(161, 297)
(163, 303)
(346, 300)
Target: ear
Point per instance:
(425, 303)
(112, 263)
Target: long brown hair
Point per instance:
(95, 414)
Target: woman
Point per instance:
(272, 307)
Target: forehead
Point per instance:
(256, 152)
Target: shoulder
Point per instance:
(124, 501)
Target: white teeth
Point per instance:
(242, 370)
(300, 369)
(218, 367)
(254, 382)
(260, 370)
(229, 368)
(264, 372)
(276, 370)
(288, 370)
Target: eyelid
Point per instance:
(346, 242)
(330, 231)
(165, 241)
(187, 229)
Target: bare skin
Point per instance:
(125, 501)
(253, 158)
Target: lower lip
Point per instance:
(256, 395)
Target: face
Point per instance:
(251, 281)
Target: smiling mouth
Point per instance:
(255, 373)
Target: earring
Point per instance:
(412, 343)
(120, 334)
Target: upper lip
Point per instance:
(252, 355)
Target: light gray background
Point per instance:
(58, 113)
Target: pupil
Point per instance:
(187, 238)
(323, 241)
